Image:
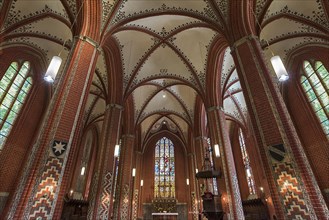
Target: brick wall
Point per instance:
(16, 150)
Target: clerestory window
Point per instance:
(246, 162)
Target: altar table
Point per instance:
(165, 216)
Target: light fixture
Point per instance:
(116, 150)
(261, 189)
(142, 182)
(196, 171)
(53, 68)
(83, 169)
(134, 172)
(285, 184)
(276, 61)
(48, 192)
(71, 192)
(56, 61)
(164, 95)
(248, 172)
(217, 152)
(187, 181)
(279, 68)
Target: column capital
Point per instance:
(243, 40)
(128, 136)
(213, 108)
(120, 107)
(139, 152)
(200, 138)
(90, 41)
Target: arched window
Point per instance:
(315, 81)
(164, 177)
(212, 183)
(246, 162)
(14, 87)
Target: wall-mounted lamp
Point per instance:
(48, 192)
(134, 172)
(116, 150)
(217, 152)
(196, 171)
(142, 182)
(248, 172)
(83, 169)
(187, 181)
(286, 184)
(262, 193)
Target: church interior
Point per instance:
(164, 109)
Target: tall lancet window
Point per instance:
(212, 184)
(246, 162)
(315, 81)
(14, 87)
(164, 176)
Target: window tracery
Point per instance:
(14, 87)
(246, 162)
(164, 178)
(315, 82)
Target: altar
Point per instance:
(164, 216)
(179, 213)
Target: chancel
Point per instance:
(162, 109)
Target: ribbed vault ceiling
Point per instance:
(164, 49)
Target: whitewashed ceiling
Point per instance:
(164, 49)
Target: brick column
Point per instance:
(124, 193)
(137, 186)
(192, 186)
(199, 145)
(219, 135)
(240, 168)
(42, 186)
(104, 181)
(293, 187)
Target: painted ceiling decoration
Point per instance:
(164, 47)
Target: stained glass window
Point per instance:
(246, 162)
(14, 87)
(164, 177)
(315, 82)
